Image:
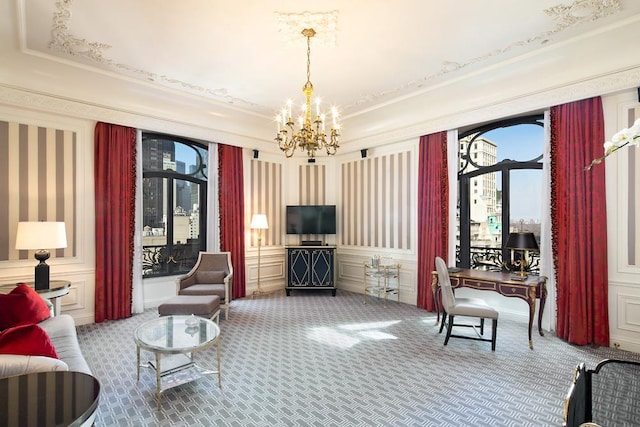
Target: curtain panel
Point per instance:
(579, 222)
(433, 217)
(115, 190)
(231, 205)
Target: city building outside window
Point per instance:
(174, 203)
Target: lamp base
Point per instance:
(42, 271)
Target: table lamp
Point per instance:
(523, 241)
(41, 236)
(259, 222)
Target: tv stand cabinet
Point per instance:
(311, 267)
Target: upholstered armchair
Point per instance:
(212, 275)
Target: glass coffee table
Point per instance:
(174, 340)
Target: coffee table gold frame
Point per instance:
(174, 340)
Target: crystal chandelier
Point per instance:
(310, 135)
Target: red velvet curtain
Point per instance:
(579, 222)
(231, 198)
(433, 211)
(115, 187)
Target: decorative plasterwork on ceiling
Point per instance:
(563, 17)
(581, 11)
(566, 16)
(290, 26)
(65, 42)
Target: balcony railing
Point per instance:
(157, 261)
(487, 258)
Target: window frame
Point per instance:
(504, 167)
(171, 176)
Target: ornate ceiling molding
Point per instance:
(525, 103)
(290, 26)
(65, 42)
(565, 16)
(626, 80)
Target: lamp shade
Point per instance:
(522, 240)
(41, 235)
(259, 222)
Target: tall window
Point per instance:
(174, 203)
(500, 189)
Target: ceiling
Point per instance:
(221, 70)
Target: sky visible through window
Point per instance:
(521, 142)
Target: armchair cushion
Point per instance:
(209, 277)
(203, 289)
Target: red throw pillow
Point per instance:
(22, 306)
(29, 340)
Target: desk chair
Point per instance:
(469, 308)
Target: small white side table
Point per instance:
(57, 289)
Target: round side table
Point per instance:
(57, 289)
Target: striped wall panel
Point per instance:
(376, 202)
(634, 196)
(311, 187)
(266, 197)
(37, 183)
(311, 190)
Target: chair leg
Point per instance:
(443, 321)
(494, 330)
(482, 326)
(449, 327)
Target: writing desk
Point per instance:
(504, 284)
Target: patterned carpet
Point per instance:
(311, 359)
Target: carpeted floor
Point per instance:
(311, 359)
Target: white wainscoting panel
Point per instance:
(351, 275)
(628, 312)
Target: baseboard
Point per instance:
(624, 343)
(265, 289)
(83, 319)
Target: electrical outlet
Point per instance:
(616, 345)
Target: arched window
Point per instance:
(174, 203)
(500, 189)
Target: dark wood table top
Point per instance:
(59, 398)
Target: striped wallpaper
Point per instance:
(634, 196)
(311, 187)
(376, 202)
(37, 183)
(266, 198)
(311, 190)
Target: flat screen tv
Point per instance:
(311, 219)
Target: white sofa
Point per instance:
(61, 330)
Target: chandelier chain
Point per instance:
(309, 59)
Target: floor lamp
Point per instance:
(259, 222)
